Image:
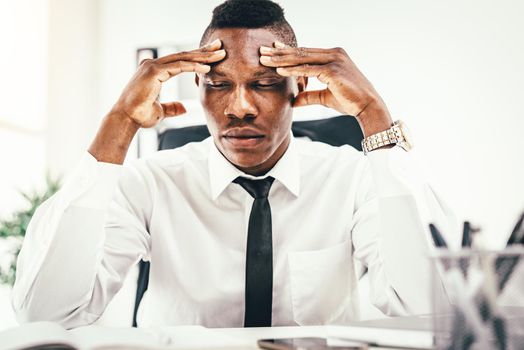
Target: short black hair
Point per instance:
(251, 14)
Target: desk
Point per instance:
(169, 338)
(251, 335)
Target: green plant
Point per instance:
(13, 229)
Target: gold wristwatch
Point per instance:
(398, 134)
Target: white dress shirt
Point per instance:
(178, 209)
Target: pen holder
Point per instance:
(478, 299)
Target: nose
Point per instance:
(240, 104)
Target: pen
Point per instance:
(437, 237)
(505, 265)
(497, 279)
(466, 243)
(464, 307)
(488, 305)
(466, 235)
(465, 310)
(517, 235)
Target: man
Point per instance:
(249, 227)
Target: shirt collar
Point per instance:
(222, 172)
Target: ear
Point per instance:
(197, 79)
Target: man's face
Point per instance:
(247, 105)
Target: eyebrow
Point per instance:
(257, 74)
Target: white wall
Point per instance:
(23, 63)
(453, 70)
(72, 107)
(23, 75)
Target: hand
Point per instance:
(138, 106)
(348, 90)
(139, 100)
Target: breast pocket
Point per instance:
(323, 285)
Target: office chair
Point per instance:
(336, 131)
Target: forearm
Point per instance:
(374, 118)
(138, 105)
(112, 141)
(63, 288)
(64, 241)
(404, 204)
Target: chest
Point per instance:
(186, 219)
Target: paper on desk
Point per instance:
(384, 337)
(51, 335)
(198, 337)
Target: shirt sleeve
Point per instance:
(80, 245)
(390, 233)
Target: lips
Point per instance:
(243, 137)
(243, 133)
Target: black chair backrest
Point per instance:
(336, 131)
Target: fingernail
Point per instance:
(279, 45)
(216, 41)
(265, 49)
(220, 52)
(206, 68)
(265, 59)
(281, 71)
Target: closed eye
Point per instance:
(216, 85)
(266, 84)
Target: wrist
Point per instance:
(122, 120)
(397, 134)
(374, 118)
(113, 138)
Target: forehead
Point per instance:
(242, 50)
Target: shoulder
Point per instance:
(337, 169)
(322, 152)
(320, 161)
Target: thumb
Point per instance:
(313, 97)
(172, 109)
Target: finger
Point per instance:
(314, 97)
(172, 109)
(195, 56)
(289, 50)
(321, 72)
(215, 45)
(211, 49)
(296, 58)
(144, 61)
(164, 72)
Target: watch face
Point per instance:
(408, 141)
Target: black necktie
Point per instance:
(259, 256)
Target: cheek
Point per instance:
(287, 94)
(213, 108)
(278, 101)
(279, 106)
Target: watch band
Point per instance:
(391, 136)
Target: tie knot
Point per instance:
(256, 188)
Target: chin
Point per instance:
(245, 156)
(245, 162)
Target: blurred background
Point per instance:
(452, 70)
